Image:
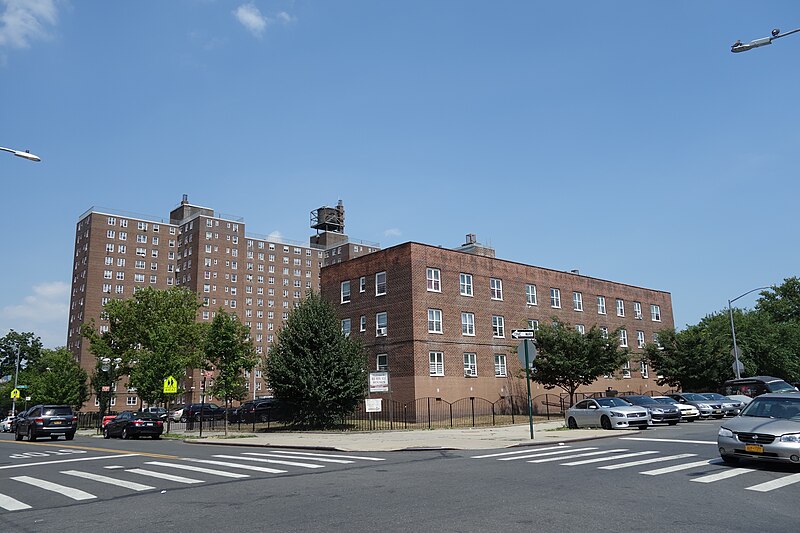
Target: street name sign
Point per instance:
(523, 333)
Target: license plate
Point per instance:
(754, 448)
(57, 422)
(149, 424)
(717, 411)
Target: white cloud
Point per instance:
(43, 313)
(256, 23)
(392, 232)
(23, 21)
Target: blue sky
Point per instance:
(619, 138)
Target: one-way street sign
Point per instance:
(523, 333)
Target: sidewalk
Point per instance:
(552, 432)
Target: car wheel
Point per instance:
(31, 436)
(673, 423)
(718, 417)
(156, 437)
(70, 436)
(691, 419)
(53, 437)
(106, 434)
(263, 417)
(605, 422)
(183, 419)
(17, 435)
(729, 459)
(125, 434)
(571, 424)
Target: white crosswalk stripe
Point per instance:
(200, 469)
(558, 450)
(252, 468)
(272, 461)
(281, 456)
(69, 492)
(608, 458)
(648, 461)
(678, 468)
(725, 474)
(10, 504)
(108, 480)
(776, 483)
(577, 455)
(517, 452)
(161, 475)
(331, 455)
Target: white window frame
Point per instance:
(436, 363)
(434, 279)
(381, 330)
(577, 301)
(637, 310)
(580, 328)
(643, 369)
(465, 284)
(496, 288)
(620, 307)
(435, 321)
(640, 339)
(623, 338)
(468, 324)
(345, 294)
(498, 327)
(530, 294)
(470, 365)
(626, 370)
(346, 327)
(500, 368)
(555, 298)
(382, 367)
(655, 313)
(601, 305)
(380, 287)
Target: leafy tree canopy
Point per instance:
(30, 347)
(315, 367)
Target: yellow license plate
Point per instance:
(754, 448)
(57, 422)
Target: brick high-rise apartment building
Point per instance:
(259, 278)
(440, 320)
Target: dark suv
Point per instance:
(210, 411)
(261, 410)
(46, 421)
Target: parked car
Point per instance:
(46, 421)
(740, 398)
(129, 425)
(107, 419)
(756, 385)
(176, 413)
(729, 407)
(689, 413)
(706, 407)
(767, 429)
(7, 424)
(210, 411)
(659, 412)
(607, 413)
(261, 410)
(159, 412)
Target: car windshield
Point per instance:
(693, 397)
(640, 400)
(714, 396)
(612, 402)
(666, 400)
(57, 411)
(780, 386)
(787, 408)
(146, 416)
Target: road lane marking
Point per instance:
(57, 461)
(776, 483)
(237, 465)
(332, 455)
(577, 455)
(273, 461)
(198, 469)
(108, 480)
(280, 456)
(10, 504)
(60, 444)
(515, 453)
(648, 461)
(608, 458)
(725, 474)
(559, 451)
(681, 441)
(161, 475)
(69, 492)
(684, 466)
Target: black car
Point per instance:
(659, 412)
(129, 425)
(210, 411)
(261, 410)
(46, 421)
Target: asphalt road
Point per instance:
(662, 479)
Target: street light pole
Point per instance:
(25, 155)
(733, 330)
(738, 46)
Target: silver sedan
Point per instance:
(607, 413)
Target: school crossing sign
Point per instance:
(170, 385)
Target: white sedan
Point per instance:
(607, 413)
(5, 425)
(689, 413)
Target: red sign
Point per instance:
(208, 374)
(105, 388)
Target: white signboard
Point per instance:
(373, 405)
(379, 382)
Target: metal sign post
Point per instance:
(528, 348)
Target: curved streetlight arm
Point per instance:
(733, 329)
(25, 155)
(738, 46)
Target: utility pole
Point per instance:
(16, 375)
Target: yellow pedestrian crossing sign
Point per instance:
(15, 394)
(170, 385)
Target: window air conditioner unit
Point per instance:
(381, 331)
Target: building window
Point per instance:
(640, 339)
(468, 324)
(496, 288)
(620, 307)
(604, 332)
(580, 328)
(500, 365)
(530, 294)
(434, 276)
(623, 338)
(577, 301)
(637, 310)
(555, 298)
(436, 360)
(346, 327)
(533, 324)
(382, 361)
(345, 292)
(655, 313)
(434, 321)
(626, 369)
(362, 323)
(131, 400)
(498, 327)
(362, 284)
(381, 326)
(380, 283)
(465, 284)
(643, 369)
(601, 305)
(470, 365)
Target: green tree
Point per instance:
(156, 335)
(568, 359)
(56, 378)
(30, 349)
(314, 367)
(229, 349)
(782, 302)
